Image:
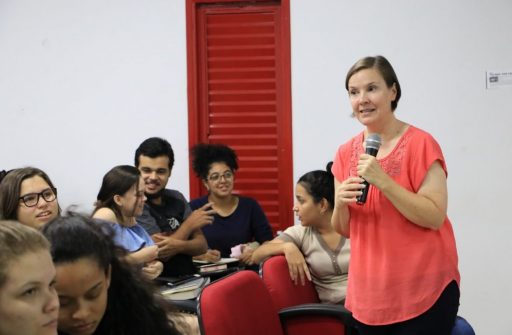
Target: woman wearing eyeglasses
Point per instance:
(28, 196)
(239, 221)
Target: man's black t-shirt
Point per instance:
(167, 218)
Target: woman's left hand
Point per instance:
(246, 256)
(152, 269)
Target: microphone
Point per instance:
(372, 147)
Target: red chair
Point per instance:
(288, 297)
(237, 304)
(241, 304)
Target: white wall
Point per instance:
(82, 83)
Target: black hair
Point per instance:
(204, 155)
(320, 184)
(132, 306)
(154, 147)
(383, 66)
(117, 181)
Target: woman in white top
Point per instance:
(313, 250)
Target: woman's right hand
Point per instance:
(297, 265)
(348, 190)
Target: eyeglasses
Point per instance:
(215, 177)
(32, 199)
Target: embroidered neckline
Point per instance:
(391, 163)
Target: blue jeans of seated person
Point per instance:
(438, 320)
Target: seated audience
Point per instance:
(311, 247)
(167, 216)
(28, 300)
(28, 196)
(238, 220)
(119, 201)
(99, 292)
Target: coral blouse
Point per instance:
(397, 269)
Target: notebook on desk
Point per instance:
(221, 261)
(206, 267)
(184, 290)
(170, 281)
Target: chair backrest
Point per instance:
(462, 327)
(237, 304)
(276, 276)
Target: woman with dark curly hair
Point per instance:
(99, 292)
(239, 221)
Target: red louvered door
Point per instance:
(241, 97)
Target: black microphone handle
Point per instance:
(372, 151)
(362, 198)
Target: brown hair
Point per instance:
(119, 180)
(16, 240)
(10, 190)
(381, 64)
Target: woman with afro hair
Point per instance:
(239, 221)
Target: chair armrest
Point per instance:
(336, 311)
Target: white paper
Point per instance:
(496, 79)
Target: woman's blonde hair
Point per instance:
(15, 241)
